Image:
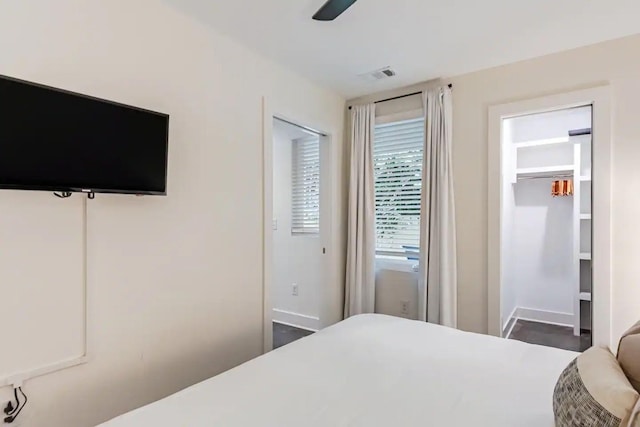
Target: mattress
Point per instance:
(374, 370)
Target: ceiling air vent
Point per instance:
(383, 73)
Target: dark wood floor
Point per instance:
(531, 332)
(283, 334)
(550, 335)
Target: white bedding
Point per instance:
(371, 371)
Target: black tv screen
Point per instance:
(55, 140)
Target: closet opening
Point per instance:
(299, 230)
(546, 275)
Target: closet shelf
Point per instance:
(585, 256)
(575, 139)
(585, 217)
(547, 171)
(541, 142)
(585, 296)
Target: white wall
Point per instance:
(50, 329)
(297, 258)
(175, 282)
(542, 249)
(553, 124)
(509, 273)
(614, 62)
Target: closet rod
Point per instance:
(303, 128)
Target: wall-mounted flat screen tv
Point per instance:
(55, 140)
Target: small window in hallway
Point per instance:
(305, 186)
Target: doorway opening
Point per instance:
(298, 231)
(546, 233)
(549, 220)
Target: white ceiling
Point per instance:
(420, 39)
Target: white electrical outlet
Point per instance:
(405, 307)
(274, 225)
(294, 289)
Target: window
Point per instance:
(398, 149)
(305, 186)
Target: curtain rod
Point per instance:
(402, 96)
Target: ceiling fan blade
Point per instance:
(332, 9)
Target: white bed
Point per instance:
(374, 370)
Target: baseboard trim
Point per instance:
(508, 326)
(297, 320)
(542, 316)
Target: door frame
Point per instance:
(328, 194)
(600, 98)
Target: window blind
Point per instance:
(305, 186)
(398, 150)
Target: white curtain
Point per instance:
(438, 281)
(361, 246)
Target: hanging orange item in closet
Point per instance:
(562, 188)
